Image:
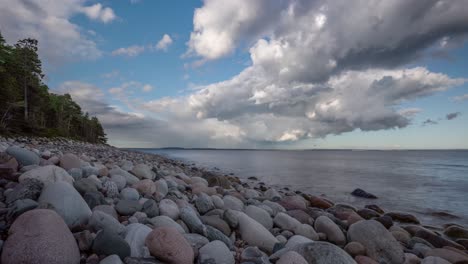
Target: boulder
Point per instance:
(135, 236)
(192, 221)
(67, 202)
(40, 236)
(334, 234)
(355, 249)
(293, 202)
(167, 244)
(47, 175)
(204, 203)
(129, 178)
(112, 259)
(434, 260)
(28, 189)
(196, 241)
(403, 217)
(285, 221)
(456, 232)
(150, 208)
(129, 194)
(379, 243)
(451, 255)
(255, 234)
(216, 222)
(23, 156)
(254, 255)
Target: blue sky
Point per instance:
(257, 74)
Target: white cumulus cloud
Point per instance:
(164, 43)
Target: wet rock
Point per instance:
(403, 217)
(215, 252)
(272, 195)
(23, 156)
(375, 208)
(379, 243)
(128, 207)
(367, 213)
(318, 202)
(385, 221)
(67, 202)
(108, 243)
(361, 193)
(301, 216)
(456, 232)
(40, 236)
(47, 175)
(135, 236)
(169, 245)
(334, 234)
(436, 240)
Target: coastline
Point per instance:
(253, 220)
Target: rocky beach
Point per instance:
(64, 201)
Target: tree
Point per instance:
(27, 106)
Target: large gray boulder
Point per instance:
(319, 253)
(334, 234)
(67, 202)
(378, 241)
(23, 156)
(135, 236)
(40, 236)
(215, 252)
(102, 221)
(255, 234)
(47, 175)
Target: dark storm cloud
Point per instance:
(451, 116)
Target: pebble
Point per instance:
(135, 236)
(291, 257)
(129, 194)
(259, 215)
(204, 203)
(112, 259)
(128, 207)
(255, 234)
(165, 221)
(47, 175)
(23, 156)
(233, 203)
(103, 221)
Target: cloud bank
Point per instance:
(50, 22)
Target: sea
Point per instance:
(431, 184)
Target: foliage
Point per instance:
(27, 106)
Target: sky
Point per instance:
(292, 74)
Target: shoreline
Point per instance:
(221, 217)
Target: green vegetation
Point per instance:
(26, 105)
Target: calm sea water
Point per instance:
(424, 183)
